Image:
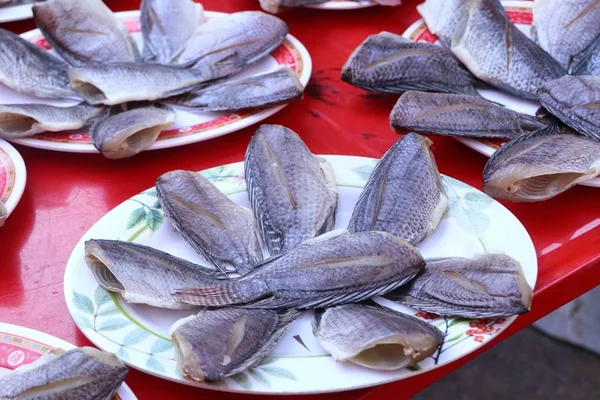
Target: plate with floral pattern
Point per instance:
(521, 14)
(189, 127)
(12, 176)
(21, 346)
(139, 335)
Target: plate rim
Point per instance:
(343, 5)
(20, 176)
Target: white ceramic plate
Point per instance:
(139, 334)
(15, 13)
(343, 5)
(189, 127)
(520, 13)
(20, 346)
(12, 176)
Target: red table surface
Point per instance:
(67, 193)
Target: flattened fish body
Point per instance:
(458, 115)
(142, 274)
(217, 228)
(404, 194)
(375, 337)
(219, 343)
(322, 272)
(292, 192)
(85, 32)
(390, 63)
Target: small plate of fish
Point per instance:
(293, 273)
(13, 177)
(50, 360)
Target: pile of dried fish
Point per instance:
(247, 300)
(546, 154)
(275, 6)
(183, 63)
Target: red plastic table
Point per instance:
(67, 193)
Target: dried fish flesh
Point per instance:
(293, 193)
(375, 337)
(22, 120)
(28, 69)
(445, 18)
(141, 274)
(321, 272)
(541, 165)
(85, 373)
(389, 63)
(565, 28)
(130, 132)
(486, 286)
(167, 25)
(404, 194)
(498, 53)
(85, 32)
(458, 115)
(219, 343)
(271, 89)
(217, 228)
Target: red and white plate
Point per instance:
(344, 5)
(521, 14)
(189, 127)
(12, 176)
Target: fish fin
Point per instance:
(452, 311)
(238, 291)
(401, 87)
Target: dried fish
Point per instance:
(588, 61)
(3, 214)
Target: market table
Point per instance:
(67, 193)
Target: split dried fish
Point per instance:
(375, 337)
(219, 343)
(85, 373)
(217, 228)
(22, 120)
(271, 89)
(458, 115)
(445, 18)
(486, 286)
(498, 53)
(29, 69)
(576, 101)
(293, 192)
(541, 165)
(130, 132)
(389, 63)
(404, 194)
(85, 32)
(565, 28)
(167, 25)
(320, 272)
(142, 274)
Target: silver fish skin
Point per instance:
(229, 44)
(266, 90)
(588, 61)
(167, 25)
(458, 115)
(84, 373)
(404, 195)
(120, 83)
(292, 192)
(390, 63)
(85, 32)
(215, 344)
(130, 132)
(22, 120)
(320, 272)
(142, 274)
(575, 100)
(274, 6)
(374, 336)
(445, 18)
(485, 286)
(498, 53)
(540, 165)
(217, 228)
(3, 214)
(565, 28)
(29, 69)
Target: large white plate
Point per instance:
(12, 176)
(20, 346)
(139, 334)
(520, 13)
(189, 127)
(343, 5)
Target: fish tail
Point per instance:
(222, 294)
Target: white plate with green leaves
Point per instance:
(138, 334)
